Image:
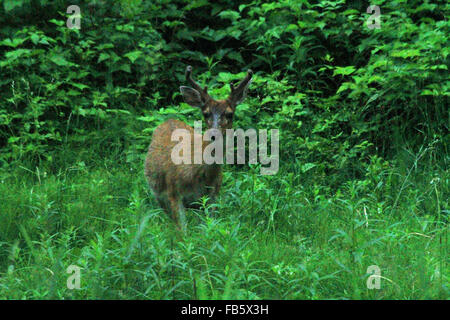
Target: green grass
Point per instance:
(274, 237)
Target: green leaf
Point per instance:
(185, 34)
(308, 166)
(196, 4)
(12, 43)
(344, 70)
(125, 67)
(236, 56)
(12, 55)
(57, 22)
(34, 38)
(60, 60)
(407, 53)
(345, 86)
(11, 4)
(103, 56)
(79, 85)
(147, 118)
(133, 55)
(229, 14)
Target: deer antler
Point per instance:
(243, 84)
(238, 91)
(195, 85)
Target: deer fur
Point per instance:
(177, 186)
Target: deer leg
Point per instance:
(212, 200)
(182, 214)
(215, 192)
(162, 203)
(178, 212)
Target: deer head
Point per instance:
(218, 114)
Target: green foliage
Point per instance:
(275, 237)
(363, 149)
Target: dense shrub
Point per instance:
(331, 84)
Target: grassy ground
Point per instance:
(274, 237)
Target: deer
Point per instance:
(177, 186)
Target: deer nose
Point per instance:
(213, 134)
(216, 119)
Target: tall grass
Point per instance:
(274, 237)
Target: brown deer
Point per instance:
(177, 186)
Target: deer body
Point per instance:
(176, 186)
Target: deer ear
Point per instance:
(240, 96)
(191, 96)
